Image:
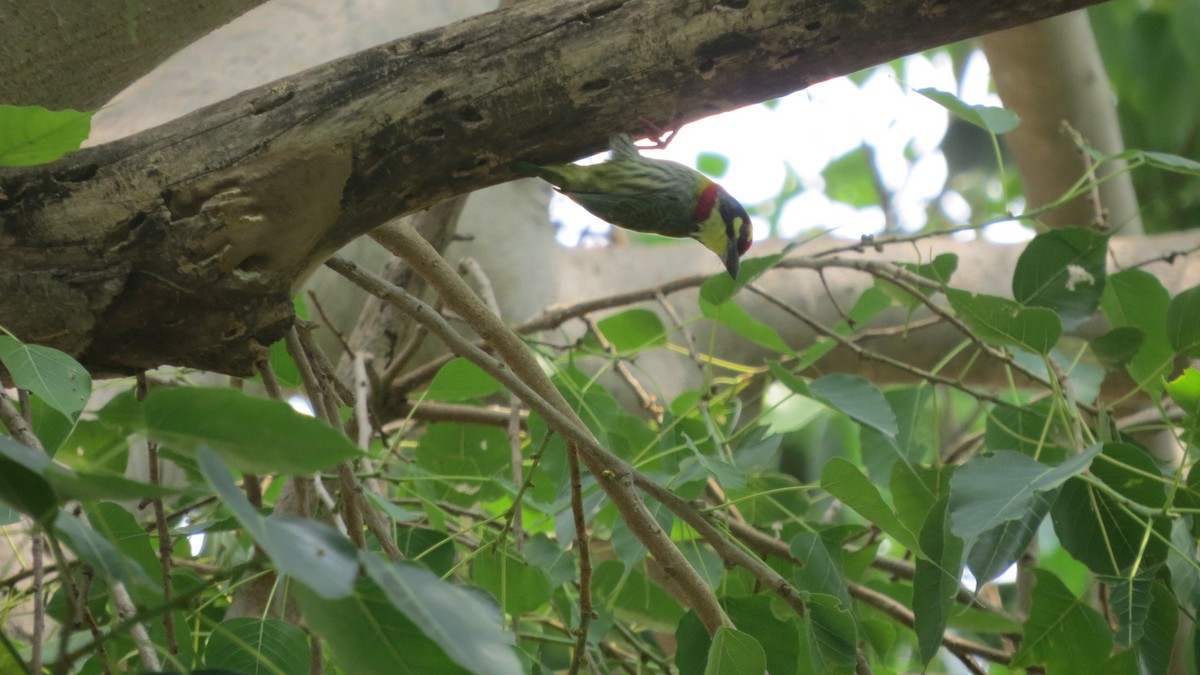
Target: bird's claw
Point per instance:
(660, 138)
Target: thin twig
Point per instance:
(904, 615)
(585, 561)
(644, 397)
(868, 355)
(165, 549)
(316, 303)
(615, 475)
(39, 605)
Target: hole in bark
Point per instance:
(596, 85)
(736, 4)
(435, 97)
(78, 174)
(706, 66)
(254, 263)
(434, 134)
(232, 333)
(469, 115)
(812, 25)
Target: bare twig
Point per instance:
(867, 354)
(39, 605)
(644, 397)
(904, 615)
(165, 549)
(526, 380)
(316, 303)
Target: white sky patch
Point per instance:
(808, 129)
(1076, 275)
(301, 405)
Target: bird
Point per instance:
(655, 196)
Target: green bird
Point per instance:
(656, 196)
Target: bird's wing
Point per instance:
(657, 212)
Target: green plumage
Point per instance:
(638, 193)
(656, 196)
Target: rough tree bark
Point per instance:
(79, 55)
(182, 245)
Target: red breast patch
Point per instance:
(704, 205)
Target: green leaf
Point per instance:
(1137, 298)
(367, 634)
(32, 135)
(98, 552)
(692, 645)
(1092, 526)
(820, 568)
(731, 315)
(1181, 561)
(461, 380)
(1171, 162)
(1130, 602)
(252, 434)
(720, 288)
(469, 631)
(989, 118)
(256, 647)
(998, 548)
(1158, 640)
(1183, 323)
(713, 164)
(49, 425)
(940, 269)
(1131, 471)
(850, 179)
(54, 376)
(464, 451)
(1003, 322)
(1062, 632)
(832, 636)
(515, 584)
(634, 598)
(858, 399)
(754, 616)
(633, 330)
(735, 653)
(22, 486)
(60, 482)
(313, 553)
(1185, 390)
(847, 483)
(989, 490)
(1021, 429)
(1063, 270)
(770, 498)
(1117, 347)
(935, 583)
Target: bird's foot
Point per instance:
(660, 138)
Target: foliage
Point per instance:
(451, 545)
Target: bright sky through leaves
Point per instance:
(810, 128)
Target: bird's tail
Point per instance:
(622, 147)
(530, 170)
(564, 176)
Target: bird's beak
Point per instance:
(732, 259)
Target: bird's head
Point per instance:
(726, 230)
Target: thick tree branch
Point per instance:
(80, 55)
(182, 245)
